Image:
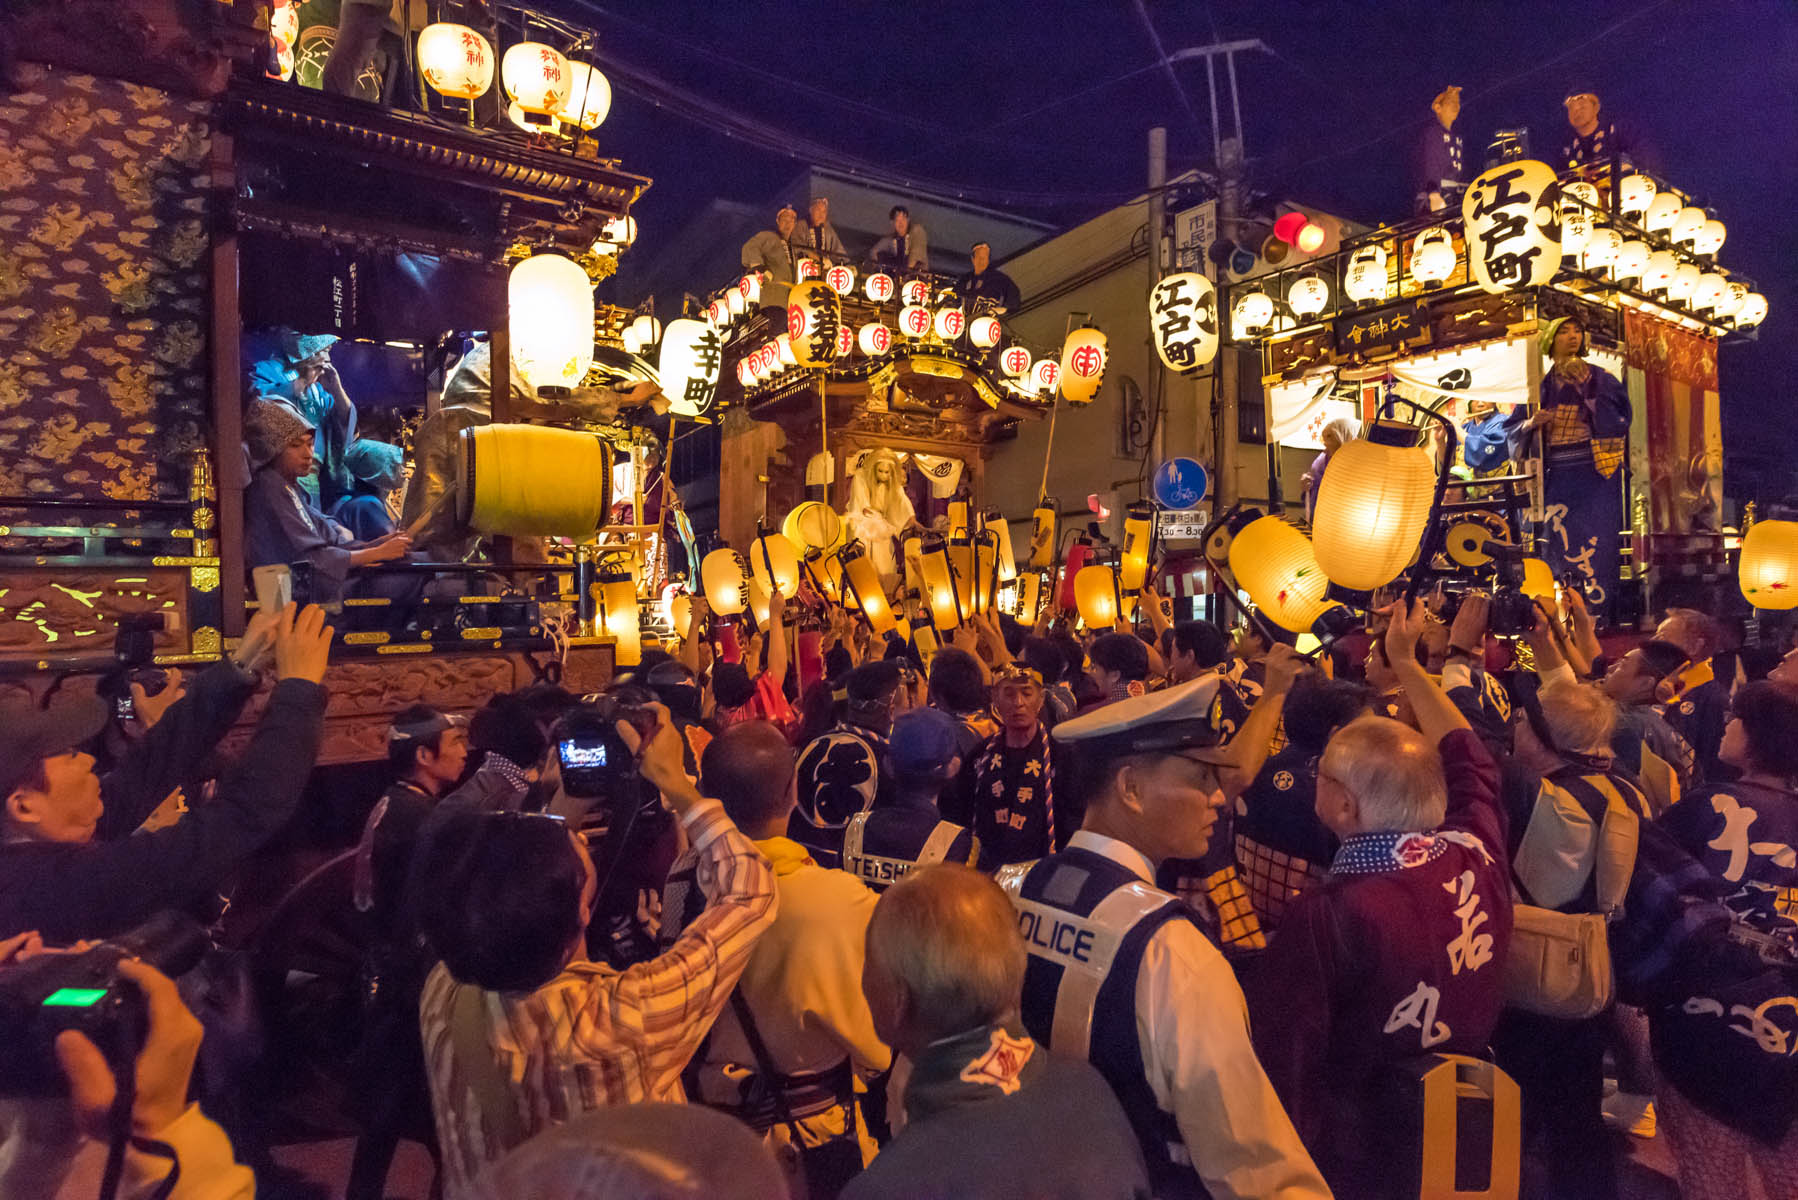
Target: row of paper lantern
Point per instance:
(545, 89)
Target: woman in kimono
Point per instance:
(1583, 416)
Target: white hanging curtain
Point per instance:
(944, 473)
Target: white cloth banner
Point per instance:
(944, 473)
(1299, 409)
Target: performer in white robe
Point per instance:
(879, 510)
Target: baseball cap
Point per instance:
(1189, 717)
(922, 743)
(29, 734)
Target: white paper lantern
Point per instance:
(1252, 311)
(1631, 258)
(915, 321)
(1184, 318)
(878, 287)
(1708, 291)
(1709, 239)
(692, 355)
(455, 60)
(806, 269)
(1015, 362)
(537, 79)
(1659, 271)
(1432, 257)
(914, 291)
(949, 323)
(1685, 278)
(1635, 193)
(1507, 245)
(632, 343)
(1365, 279)
(841, 279)
(783, 345)
(746, 374)
(550, 304)
(1046, 374)
(874, 339)
(751, 287)
(984, 332)
(734, 301)
(589, 99)
(845, 339)
(718, 312)
(620, 230)
(1577, 202)
(1752, 312)
(1688, 224)
(1661, 212)
(647, 329)
(1601, 249)
(1734, 294)
(1308, 295)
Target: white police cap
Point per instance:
(1188, 716)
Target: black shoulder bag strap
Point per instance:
(764, 1062)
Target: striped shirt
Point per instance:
(594, 1036)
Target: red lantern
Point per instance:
(1078, 555)
(1287, 227)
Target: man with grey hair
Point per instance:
(1699, 714)
(988, 1110)
(1397, 953)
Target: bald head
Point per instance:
(1382, 776)
(749, 768)
(944, 957)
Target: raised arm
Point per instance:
(1437, 716)
(777, 638)
(1248, 750)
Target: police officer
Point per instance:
(905, 831)
(1120, 972)
(841, 772)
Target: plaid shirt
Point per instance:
(594, 1036)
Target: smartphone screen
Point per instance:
(122, 707)
(579, 753)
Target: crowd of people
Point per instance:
(1161, 911)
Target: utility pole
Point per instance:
(1157, 221)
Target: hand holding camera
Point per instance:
(162, 1070)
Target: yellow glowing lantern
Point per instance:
(813, 525)
(862, 582)
(589, 101)
(1042, 536)
(1752, 312)
(1372, 507)
(1095, 596)
(1538, 580)
(677, 610)
(814, 313)
(692, 354)
(1601, 250)
(925, 639)
(961, 571)
(1029, 598)
(1001, 529)
(1631, 260)
(1432, 257)
(818, 571)
(1768, 573)
(775, 563)
(618, 603)
(986, 566)
(1688, 224)
(550, 302)
(1274, 563)
(1661, 212)
(1365, 279)
(939, 584)
(1709, 239)
(1635, 193)
(726, 580)
(1139, 528)
(760, 603)
(454, 59)
(1082, 365)
(538, 80)
(1658, 272)
(958, 519)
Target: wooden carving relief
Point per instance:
(75, 610)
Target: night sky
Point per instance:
(1042, 108)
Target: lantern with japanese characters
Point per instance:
(454, 59)
(718, 313)
(1183, 318)
(1768, 574)
(814, 312)
(1709, 239)
(1095, 596)
(588, 103)
(1631, 260)
(1133, 563)
(1042, 537)
(949, 323)
(1307, 296)
(1365, 278)
(1082, 365)
(1661, 212)
(915, 321)
(878, 287)
(1578, 202)
(1601, 250)
(1251, 312)
(1506, 247)
(538, 80)
(1015, 362)
(1688, 223)
(1658, 272)
(726, 580)
(861, 583)
(551, 319)
(1752, 312)
(914, 291)
(1274, 563)
(874, 339)
(1730, 303)
(692, 355)
(807, 268)
(1708, 292)
(1432, 257)
(735, 302)
(1372, 507)
(783, 346)
(775, 563)
(1635, 194)
(1045, 375)
(1028, 597)
(750, 287)
(841, 279)
(1685, 278)
(984, 332)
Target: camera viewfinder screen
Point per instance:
(70, 997)
(576, 754)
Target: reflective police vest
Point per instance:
(1087, 921)
(895, 846)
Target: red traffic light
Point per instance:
(1288, 225)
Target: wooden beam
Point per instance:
(227, 386)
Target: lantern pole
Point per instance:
(1157, 219)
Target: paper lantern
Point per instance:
(1632, 258)
(878, 287)
(915, 321)
(958, 519)
(1575, 212)
(538, 80)
(841, 279)
(1252, 311)
(1273, 562)
(1133, 563)
(1311, 238)
(1001, 530)
(812, 565)
(746, 374)
(1082, 365)
(962, 570)
(1045, 375)
(1685, 278)
(807, 269)
(1432, 256)
(1308, 295)
(1688, 224)
(949, 323)
(620, 617)
(691, 359)
(1095, 596)
(1538, 580)
(861, 582)
(735, 303)
(814, 313)
(1601, 249)
(718, 313)
(1183, 317)
(1028, 598)
(550, 306)
(761, 604)
(1042, 537)
(620, 230)
(647, 329)
(813, 525)
(1365, 279)
(775, 563)
(939, 590)
(1635, 193)
(750, 286)
(1078, 555)
(1730, 303)
(454, 59)
(1709, 239)
(632, 340)
(1752, 312)
(1507, 248)
(1662, 211)
(984, 332)
(986, 566)
(1372, 507)
(1015, 362)
(1768, 573)
(726, 580)
(914, 291)
(874, 339)
(845, 340)
(1708, 291)
(783, 346)
(1659, 271)
(589, 101)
